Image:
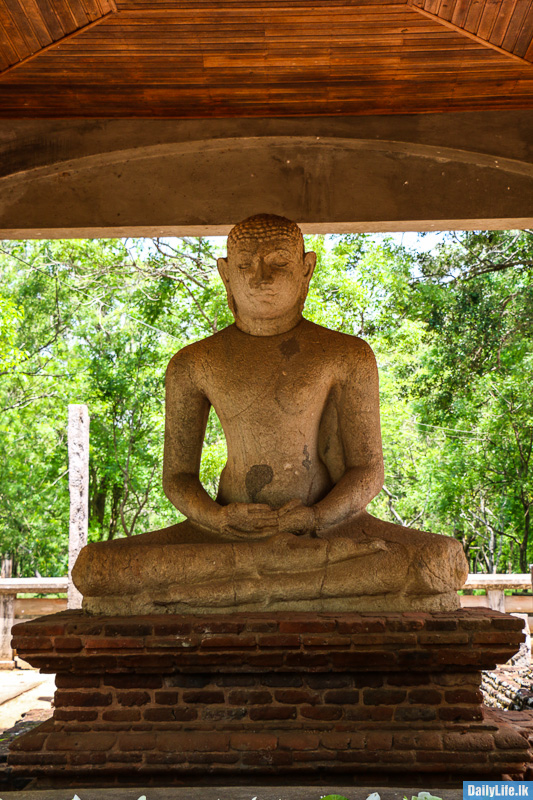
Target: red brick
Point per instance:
(444, 638)
(507, 738)
(442, 624)
(82, 759)
(132, 681)
(513, 638)
(213, 758)
(307, 626)
(377, 697)
(296, 696)
(69, 699)
(127, 628)
(373, 713)
(165, 758)
(65, 680)
(222, 624)
(141, 741)
(362, 625)
(329, 680)
(358, 756)
(185, 714)
(460, 713)
(286, 679)
(309, 661)
(192, 681)
(177, 643)
(67, 643)
(205, 696)
(327, 642)
(245, 697)
(113, 643)
(33, 759)
(458, 680)
(173, 627)
(237, 681)
(419, 740)
(272, 712)
(507, 622)
(408, 679)
(430, 697)
(133, 698)
(468, 742)
(321, 712)
(262, 660)
(298, 741)
(379, 740)
(254, 741)
(415, 659)
(261, 626)
(460, 657)
(193, 741)
(227, 641)
(463, 696)
(279, 640)
(30, 644)
(364, 660)
(270, 759)
(78, 714)
(122, 715)
(342, 696)
(40, 628)
(125, 758)
(158, 714)
(98, 741)
(415, 714)
(332, 740)
(440, 758)
(311, 756)
(166, 698)
(29, 742)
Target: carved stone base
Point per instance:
(181, 698)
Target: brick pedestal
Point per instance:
(180, 698)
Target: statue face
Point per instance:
(266, 278)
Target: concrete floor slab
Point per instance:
(16, 682)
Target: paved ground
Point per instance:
(228, 793)
(37, 698)
(15, 682)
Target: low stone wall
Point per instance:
(357, 694)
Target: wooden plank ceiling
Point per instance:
(209, 58)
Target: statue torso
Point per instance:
(272, 396)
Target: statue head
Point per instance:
(266, 274)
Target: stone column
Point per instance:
(78, 464)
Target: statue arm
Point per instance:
(186, 413)
(360, 432)
(187, 410)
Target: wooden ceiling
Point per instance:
(220, 58)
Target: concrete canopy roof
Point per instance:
(207, 58)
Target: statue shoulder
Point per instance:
(193, 359)
(344, 344)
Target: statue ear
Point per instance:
(222, 264)
(309, 264)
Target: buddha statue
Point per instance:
(289, 530)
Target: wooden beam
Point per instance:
(64, 39)
(478, 39)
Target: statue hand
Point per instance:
(296, 518)
(243, 519)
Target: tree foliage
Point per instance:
(96, 322)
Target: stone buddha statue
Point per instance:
(299, 407)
